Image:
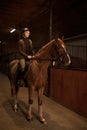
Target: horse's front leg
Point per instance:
(40, 102)
(30, 91)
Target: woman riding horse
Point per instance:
(37, 73)
(26, 53)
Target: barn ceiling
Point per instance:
(14, 13)
(71, 14)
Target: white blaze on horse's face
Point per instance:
(67, 54)
(69, 59)
(68, 63)
(63, 46)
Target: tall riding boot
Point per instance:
(19, 78)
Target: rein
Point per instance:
(49, 59)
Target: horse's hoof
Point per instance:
(29, 118)
(43, 121)
(15, 109)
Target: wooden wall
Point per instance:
(69, 88)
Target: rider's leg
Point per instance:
(22, 65)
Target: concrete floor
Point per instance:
(58, 117)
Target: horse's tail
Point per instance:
(10, 80)
(12, 70)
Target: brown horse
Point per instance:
(37, 73)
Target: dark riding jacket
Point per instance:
(25, 48)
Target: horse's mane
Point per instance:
(44, 49)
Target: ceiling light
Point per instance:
(13, 30)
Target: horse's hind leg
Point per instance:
(14, 91)
(40, 102)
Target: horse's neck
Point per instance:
(46, 51)
(44, 55)
(42, 63)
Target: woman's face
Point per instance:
(26, 34)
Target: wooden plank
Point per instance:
(69, 88)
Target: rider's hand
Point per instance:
(29, 56)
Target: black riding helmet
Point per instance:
(24, 30)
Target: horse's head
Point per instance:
(60, 53)
(55, 50)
